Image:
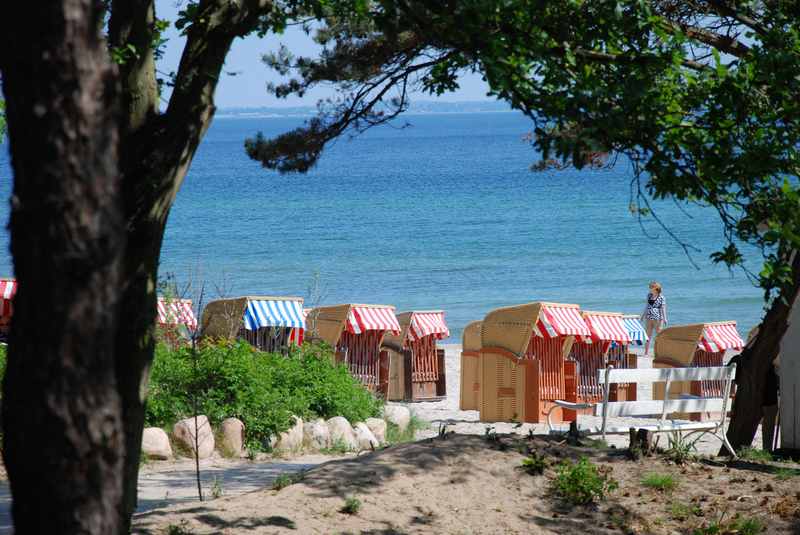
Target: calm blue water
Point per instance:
(443, 214)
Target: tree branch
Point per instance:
(131, 33)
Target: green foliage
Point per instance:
(396, 436)
(739, 525)
(582, 482)
(700, 99)
(785, 474)
(179, 529)
(3, 362)
(338, 447)
(681, 511)
(216, 487)
(755, 454)
(284, 480)
(681, 450)
(352, 506)
(662, 482)
(263, 390)
(534, 464)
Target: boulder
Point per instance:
(316, 435)
(398, 415)
(232, 431)
(155, 443)
(291, 440)
(342, 433)
(364, 437)
(378, 428)
(184, 434)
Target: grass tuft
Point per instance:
(394, 435)
(661, 482)
(754, 454)
(352, 506)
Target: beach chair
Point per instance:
(696, 345)
(606, 346)
(268, 323)
(522, 360)
(8, 289)
(416, 366)
(470, 385)
(356, 332)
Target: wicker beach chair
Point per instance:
(695, 345)
(607, 346)
(416, 366)
(268, 323)
(522, 360)
(470, 385)
(356, 332)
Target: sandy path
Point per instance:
(166, 483)
(466, 422)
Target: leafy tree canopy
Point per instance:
(700, 97)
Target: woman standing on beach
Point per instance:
(655, 313)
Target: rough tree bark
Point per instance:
(63, 438)
(754, 363)
(155, 153)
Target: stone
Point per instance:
(184, 433)
(316, 435)
(397, 415)
(364, 437)
(291, 440)
(155, 443)
(342, 433)
(378, 428)
(232, 431)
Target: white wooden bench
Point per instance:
(685, 404)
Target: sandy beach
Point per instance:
(446, 412)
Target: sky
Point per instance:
(248, 87)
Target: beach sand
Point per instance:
(446, 412)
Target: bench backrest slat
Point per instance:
(656, 375)
(655, 408)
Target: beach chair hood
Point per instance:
(329, 322)
(417, 325)
(8, 289)
(224, 317)
(511, 328)
(176, 312)
(678, 344)
(471, 337)
(606, 327)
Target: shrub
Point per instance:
(534, 464)
(351, 506)
(582, 482)
(662, 482)
(262, 389)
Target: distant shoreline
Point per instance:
(303, 115)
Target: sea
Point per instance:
(438, 211)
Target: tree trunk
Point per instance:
(62, 421)
(754, 364)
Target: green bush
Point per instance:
(3, 350)
(582, 482)
(262, 389)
